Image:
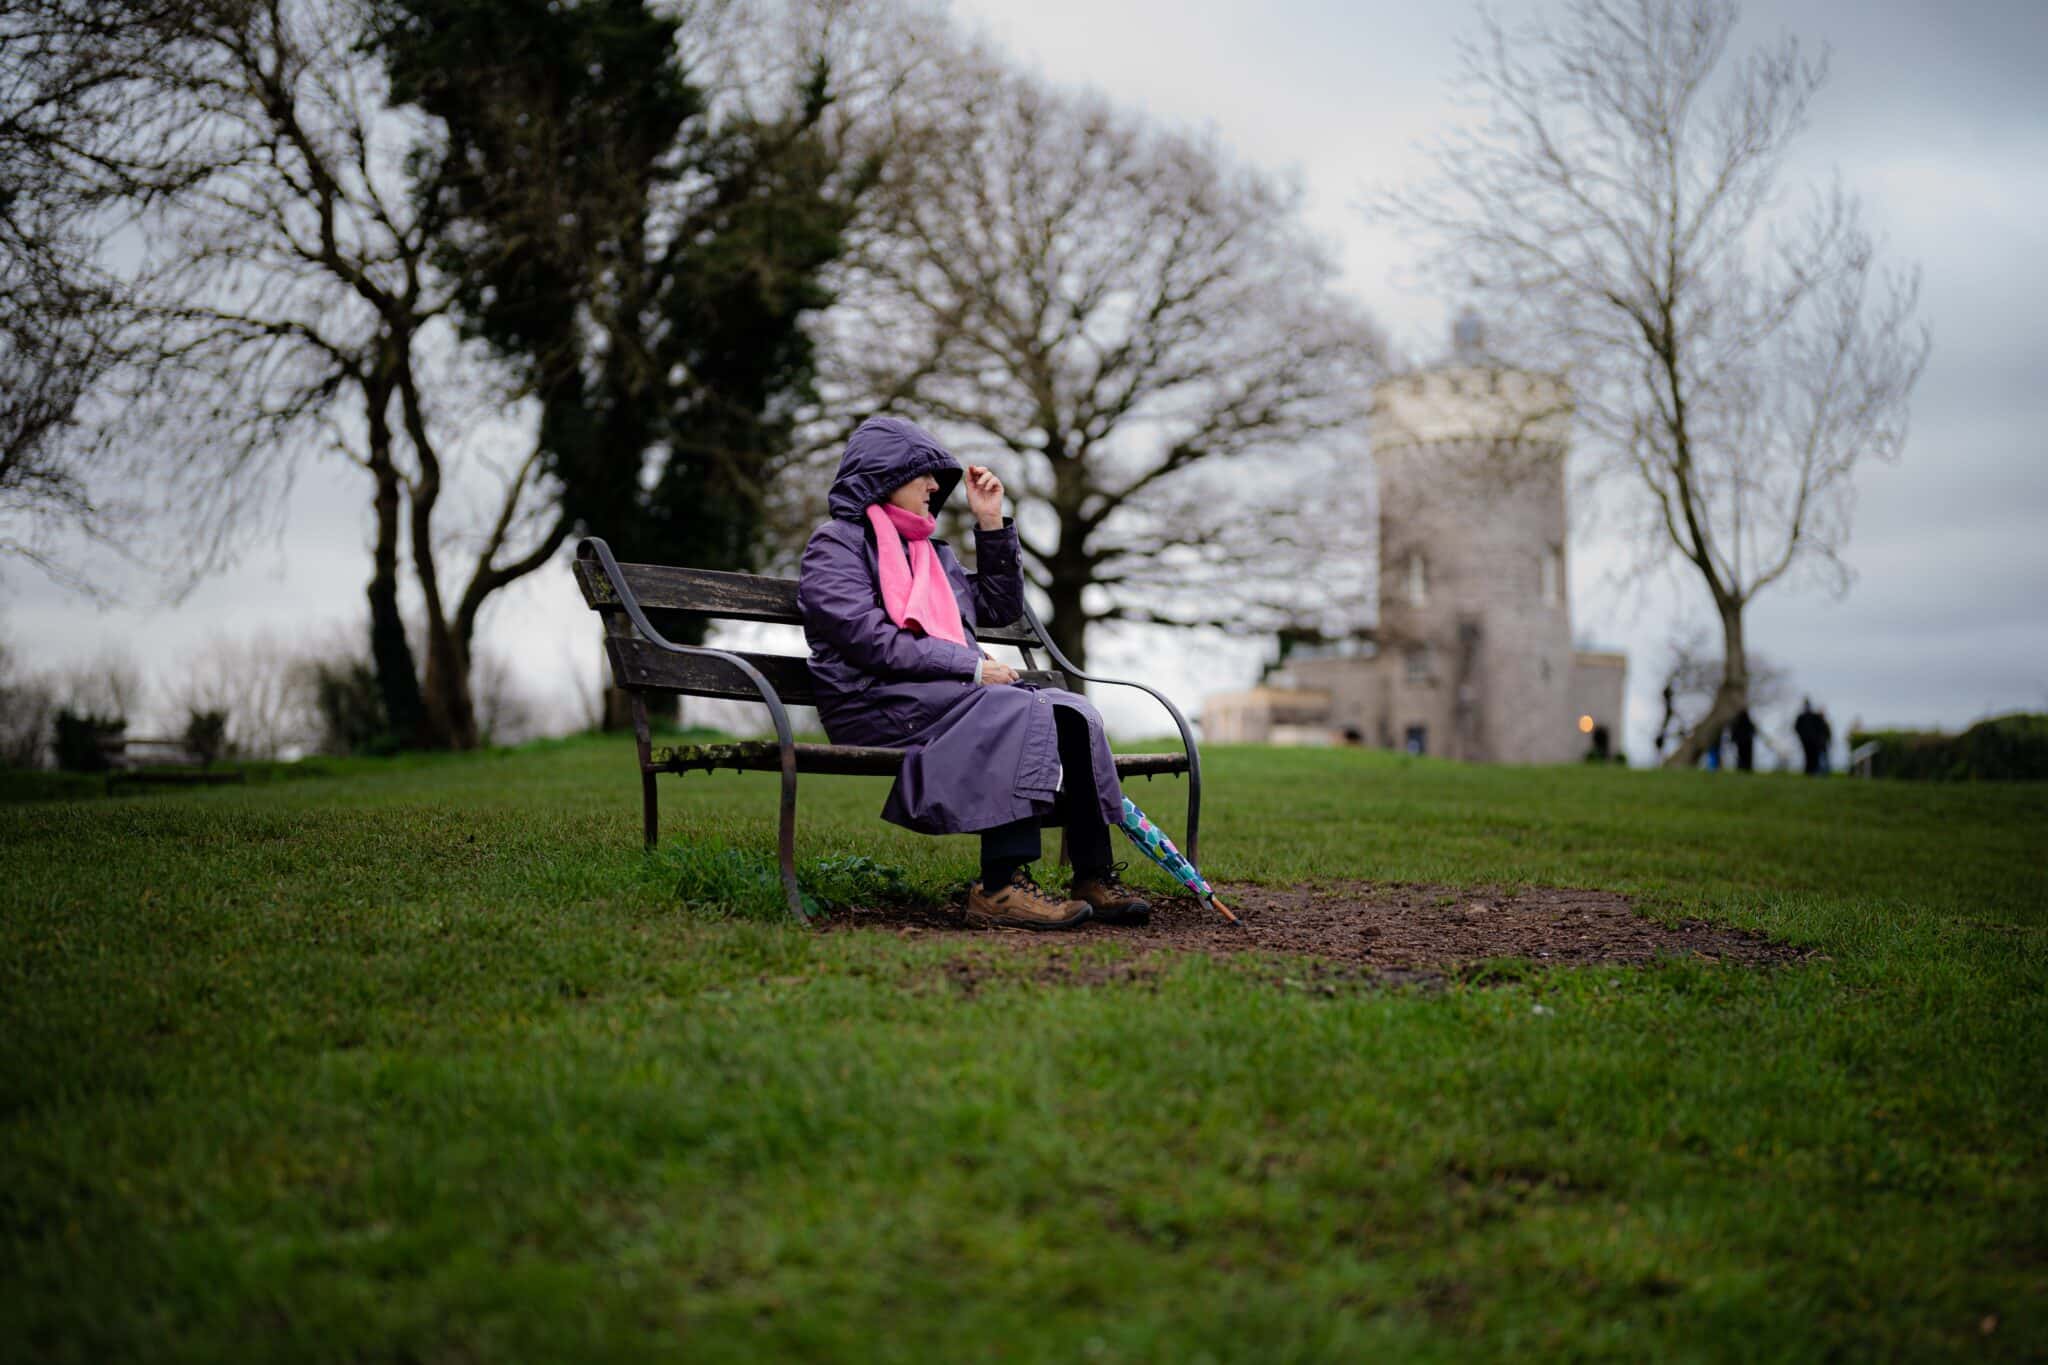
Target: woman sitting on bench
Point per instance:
(890, 616)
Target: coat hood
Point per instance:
(884, 454)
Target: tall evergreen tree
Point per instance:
(644, 257)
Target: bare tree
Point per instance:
(1136, 331)
(1621, 206)
(51, 352)
(67, 170)
(287, 301)
(257, 682)
(28, 712)
(1692, 680)
(109, 684)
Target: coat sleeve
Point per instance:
(838, 603)
(999, 576)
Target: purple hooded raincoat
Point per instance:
(980, 755)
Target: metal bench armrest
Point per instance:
(1187, 737)
(592, 547)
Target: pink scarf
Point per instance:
(915, 590)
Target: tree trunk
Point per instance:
(1068, 570)
(450, 712)
(1067, 626)
(398, 682)
(1730, 698)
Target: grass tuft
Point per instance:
(714, 878)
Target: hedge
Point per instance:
(2001, 749)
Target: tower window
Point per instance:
(1418, 579)
(1419, 663)
(1550, 581)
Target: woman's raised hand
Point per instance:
(996, 671)
(985, 497)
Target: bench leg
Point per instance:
(643, 740)
(785, 838)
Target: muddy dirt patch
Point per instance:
(1391, 931)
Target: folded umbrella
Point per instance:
(1153, 843)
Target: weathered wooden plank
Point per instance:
(637, 663)
(161, 760)
(1150, 765)
(1016, 632)
(705, 592)
(766, 756)
(665, 591)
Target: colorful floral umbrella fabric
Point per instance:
(1153, 843)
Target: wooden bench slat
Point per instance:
(852, 760)
(765, 756)
(638, 663)
(705, 592)
(667, 591)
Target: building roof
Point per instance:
(1273, 696)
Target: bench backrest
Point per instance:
(672, 597)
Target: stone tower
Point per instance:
(1473, 654)
(1474, 597)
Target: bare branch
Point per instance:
(1105, 310)
(1617, 206)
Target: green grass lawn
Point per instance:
(424, 1060)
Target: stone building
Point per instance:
(1472, 656)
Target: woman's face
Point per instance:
(916, 496)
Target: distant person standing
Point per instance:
(1743, 731)
(1814, 734)
(1713, 749)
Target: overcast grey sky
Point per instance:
(1935, 114)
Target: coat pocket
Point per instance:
(1038, 765)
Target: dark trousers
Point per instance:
(1006, 848)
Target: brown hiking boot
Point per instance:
(1023, 905)
(1109, 900)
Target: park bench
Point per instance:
(135, 759)
(639, 602)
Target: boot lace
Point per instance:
(1112, 879)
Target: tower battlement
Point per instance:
(1471, 403)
